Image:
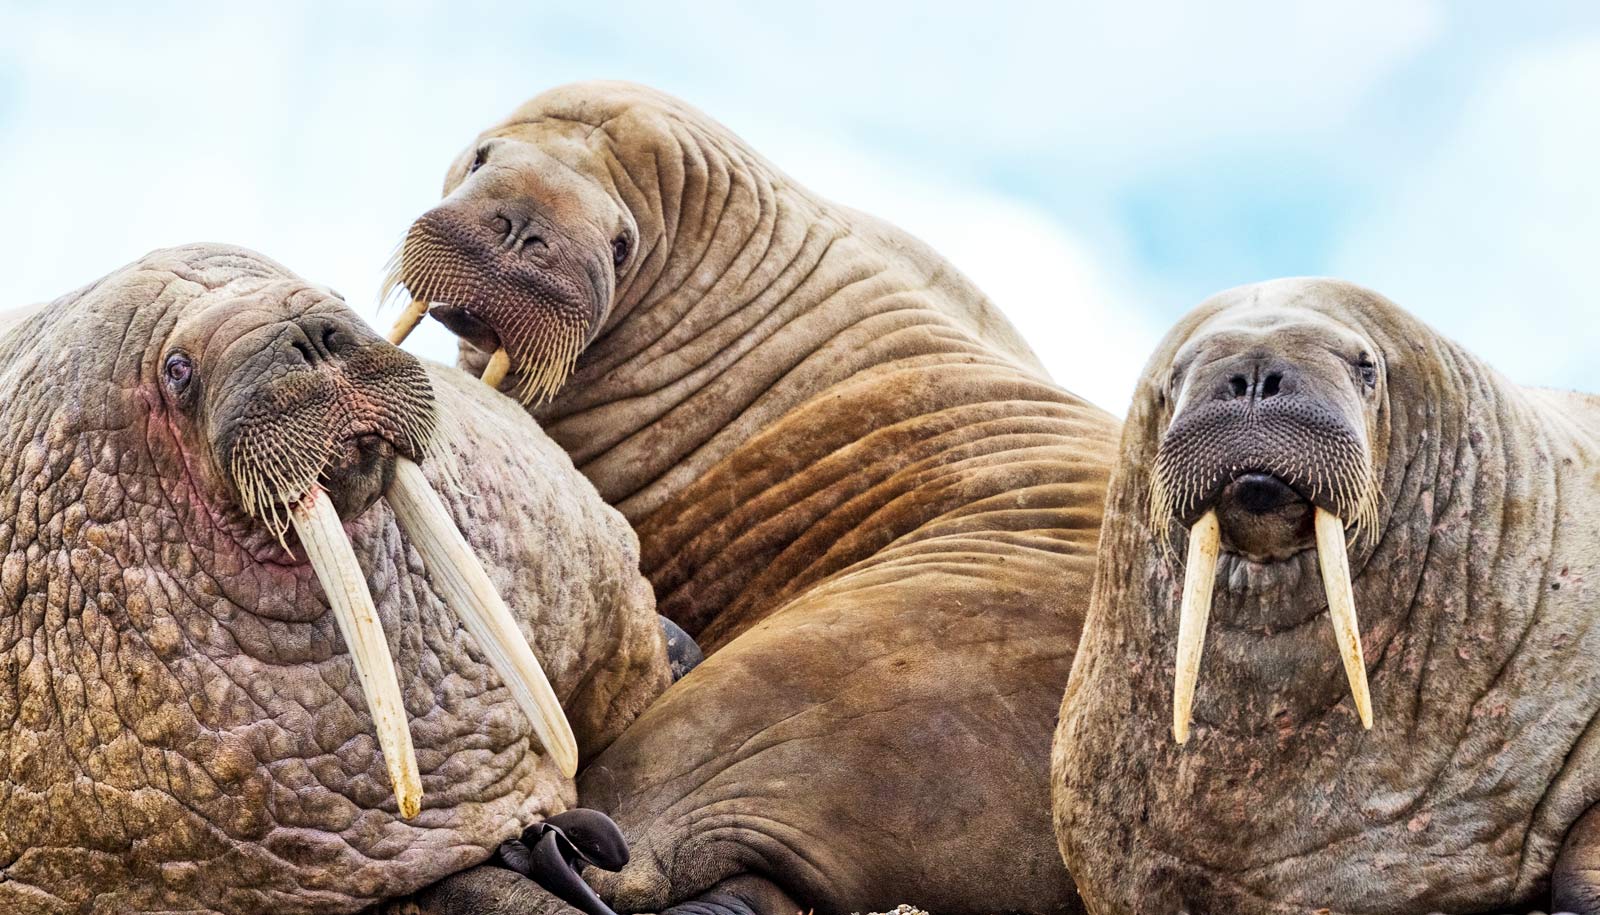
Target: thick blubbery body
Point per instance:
(852, 482)
(180, 725)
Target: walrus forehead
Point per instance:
(212, 266)
(1290, 325)
(172, 282)
(1314, 304)
(194, 291)
(548, 161)
(248, 302)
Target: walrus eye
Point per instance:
(478, 160)
(1369, 372)
(619, 249)
(179, 371)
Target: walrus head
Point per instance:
(289, 412)
(522, 258)
(1470, 498)
(1268, 458)
(589, 203)
(282, 391)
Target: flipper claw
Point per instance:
(549, 853)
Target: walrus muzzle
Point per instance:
(1243, 467)
(333, 429)
(508, 280)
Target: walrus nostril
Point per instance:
(1239, 385)
(1269, 385)
(1262, 493)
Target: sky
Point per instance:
(1097, 168)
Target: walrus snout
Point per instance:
(1255, 434)
(317, 401)
(508, 275)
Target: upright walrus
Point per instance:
(1327, 450)
(850, 479)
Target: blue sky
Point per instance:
(1097, 168)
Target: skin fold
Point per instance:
(852, 482)
(180, 725)
(1473, 579)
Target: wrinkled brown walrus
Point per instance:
(1327, 450)
(851, 481)
(242, 641)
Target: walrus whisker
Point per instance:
(328, 548)
(466, 588)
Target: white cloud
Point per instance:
(1495, 242)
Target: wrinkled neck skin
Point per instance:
(752, 300)
(181, 727)
(1476, 620)
(752, 296)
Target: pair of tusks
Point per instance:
(1205, 540)
(493, 373)
(463, 584)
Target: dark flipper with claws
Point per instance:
(549, 854)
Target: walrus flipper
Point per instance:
(683, 653)
(548, 853)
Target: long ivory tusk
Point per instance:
(1205, 540)
(317, 524)
(495, 371)
(1335, 565)
(409, 319)
(466, 587)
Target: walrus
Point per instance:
(852, 482)
(1394, 708)
(254, 653)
